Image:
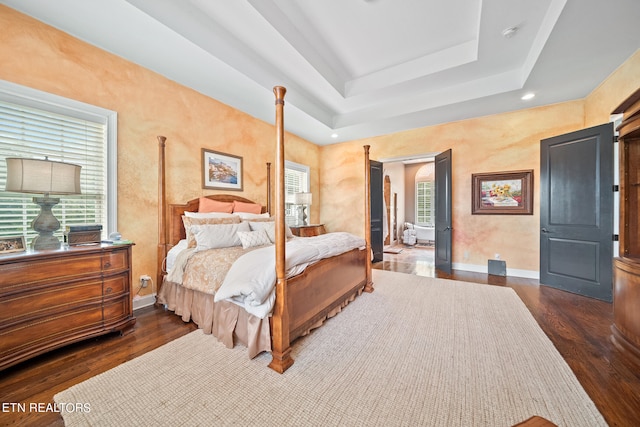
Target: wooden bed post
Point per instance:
(162, 212)
(269, 187)
(368, 287)
(280, 342)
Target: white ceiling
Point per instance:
(360, 68)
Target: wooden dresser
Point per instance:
(626, 268)
(52, 298)
(308, 230)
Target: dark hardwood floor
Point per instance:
(579, 327)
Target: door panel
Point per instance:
(576, 212)
(443, 221)
(377, 207)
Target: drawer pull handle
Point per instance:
(108, 290)
(107, 264)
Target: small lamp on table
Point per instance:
(303, 200)
(43, 177)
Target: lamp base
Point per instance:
(44, 242)
(45, 224)
(302, 215)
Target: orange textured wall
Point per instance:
(611, 92)
(502, 142)
(39, 56)
(496, 143)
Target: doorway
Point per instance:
(404, 191)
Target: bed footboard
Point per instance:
(323, 288)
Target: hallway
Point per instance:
(418, 260)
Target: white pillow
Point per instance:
(250, 239)
(209, 215)
(250, 216)
(212, 236)
(270, 228)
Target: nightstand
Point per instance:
(308, 230)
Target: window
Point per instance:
(36, 125)
(296, 180)
(425, 184)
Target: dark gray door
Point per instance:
(443, 212)
(576, 212)
(377, 206)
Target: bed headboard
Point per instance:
(170, 226)
(176, 230)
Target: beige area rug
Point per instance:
(417, 352)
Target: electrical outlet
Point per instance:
(144, 280)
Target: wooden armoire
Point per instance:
(626, 268)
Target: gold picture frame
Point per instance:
(502, 193)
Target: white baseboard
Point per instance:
(528, 274)
(143, 301)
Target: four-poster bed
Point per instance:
(302, 302)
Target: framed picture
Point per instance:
(502, 193)
(221, 171)
(12, 244)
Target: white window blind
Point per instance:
(296, 180)
(424, 203)
(30, 132)
(425, 214)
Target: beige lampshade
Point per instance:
(42, 176)
(302, 198)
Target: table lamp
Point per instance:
(46, 177)
(303, 200)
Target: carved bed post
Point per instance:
(162, 212)
(368, 287)
(280, 343)
(269, 187)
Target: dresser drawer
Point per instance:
(47, 301)
(115, 285)
(35, 337)
(116, 310)
(115, 260)
(17, 276)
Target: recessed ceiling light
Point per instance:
(510, 32)
(528, 96)
(334, 135)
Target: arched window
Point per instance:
(425, 184)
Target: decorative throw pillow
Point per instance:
(213, 236)
(189, 221)
(270, 227)
(246, 207)
(250, 239)
(208, 205)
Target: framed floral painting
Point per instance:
(502, 193)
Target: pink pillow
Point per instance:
(208, 205)
(253, 208)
